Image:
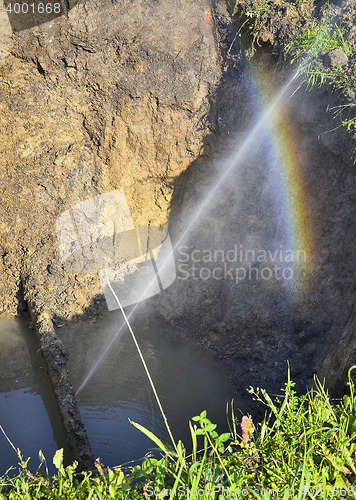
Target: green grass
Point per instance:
(305, 50)
(321, 36)
(305, 448)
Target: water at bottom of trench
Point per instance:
(28, 409)
(188, 380)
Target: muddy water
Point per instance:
(28, 412)
(187, 379)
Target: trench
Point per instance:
(292, 192)
(188, 380)
(253, 322)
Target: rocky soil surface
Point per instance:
(145, 95)
(111, 97)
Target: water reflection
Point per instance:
(187, 381)
(28, 410)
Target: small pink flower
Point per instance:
(247, 429)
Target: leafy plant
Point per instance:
(305, 51)
(259, 9)
(308, 430)
(304, 448)
(176, 473)
(321, 36)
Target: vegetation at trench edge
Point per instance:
(304, 448)
(306, 51)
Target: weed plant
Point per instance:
(254, 17)
(320, 37)
(306, 51)
(304, 448)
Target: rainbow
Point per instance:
(289, 170)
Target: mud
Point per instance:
(55, 356)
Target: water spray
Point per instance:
(233, 163)
(166, 260)
(143, 362)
